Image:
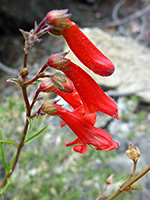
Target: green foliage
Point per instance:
(2, 153)
(141, 116)
(35, 136)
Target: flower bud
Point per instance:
(57, 18)
(49, 107)
(24, 73)
(47, 86)
(58, 61)
(110, 179)
(133, 153)
(63, 83)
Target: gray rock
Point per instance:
(132, 66)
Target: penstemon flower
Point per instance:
(73, 99)
(86, 133)
(92, 96)
(81, 46)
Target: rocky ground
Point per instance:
(120, 29)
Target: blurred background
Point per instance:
(47, 169)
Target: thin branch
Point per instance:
(132, 173)
(17, 155)
(143, 28)
(25, 60)
(8, 70)
(115, 14)
(129, 183)
(129, 18)
(127, 93)
(21, 144)
(116, 10)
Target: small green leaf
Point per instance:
(2, 151)
(9, 142)
(3, 189)
(13, 80)
(39, 133)
(30, 123)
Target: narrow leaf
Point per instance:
(39, 133)
(8, 142)
(13, 80)
(3, 155)
(30, 123)
(2, 190)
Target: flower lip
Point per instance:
(87, 133)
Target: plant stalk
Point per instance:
(21, 144)
(129, 183)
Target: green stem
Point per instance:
(129, 183)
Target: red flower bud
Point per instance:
(57, 18)
(72, 98)
(62, 83)
(57, 61)
(47, 86)
(49, 107)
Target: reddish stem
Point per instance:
(21, 144)
(25, 60)
(41, 25)
(35, 97)
(36, 78)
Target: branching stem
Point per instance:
(129, 183)
(21, 144)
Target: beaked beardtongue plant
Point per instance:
(74, 85)
(77, 88)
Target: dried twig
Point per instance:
(115, 14)
(129, 183)
(143, 28)
(127, 93)
(129, 18)
(8, 70)
(116, 10)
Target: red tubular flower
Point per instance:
(86, 51)
(81, 46)
(92, 96)
(85, 131)
(73, 99)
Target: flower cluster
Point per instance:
(78, 88)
